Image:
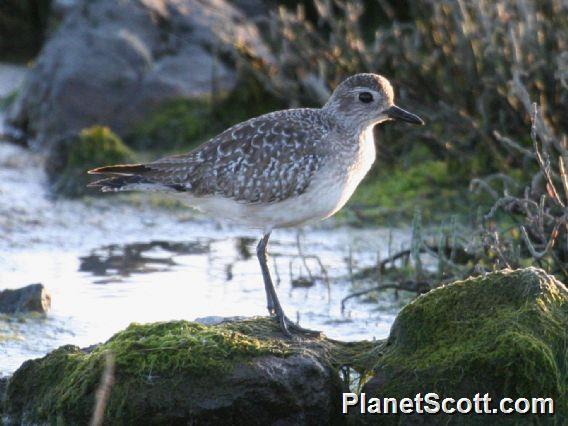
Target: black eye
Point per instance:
(365, 97)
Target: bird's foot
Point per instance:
(289, 328)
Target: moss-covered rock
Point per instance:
(183, 372)
(70, 158)
(505, 334)
(174, 125)
(182, 124)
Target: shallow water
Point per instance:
(111, 261)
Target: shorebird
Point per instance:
(281, 169)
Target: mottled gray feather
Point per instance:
(265, 159)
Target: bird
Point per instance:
(278, 170)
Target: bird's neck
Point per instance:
(345, 127)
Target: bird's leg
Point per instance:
(261, 253)
(272, 302)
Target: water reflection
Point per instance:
(211, 274)
(117, 261)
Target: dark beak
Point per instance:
(397, 113)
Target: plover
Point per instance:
(281, 169)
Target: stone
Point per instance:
(181, 372)
(112, 63)
(69, 159)
(504, 334)
(31, 298)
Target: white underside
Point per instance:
(314, 204)
(329, 191)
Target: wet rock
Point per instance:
(215, 319)
(180, 372)
(503, 334)
(112, 63)
(71, 157)
(31, 298)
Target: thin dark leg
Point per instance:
(272, 302)
(261, 254)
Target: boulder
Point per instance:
(31, 298)
(112, 62)
(70, 158)
(238, 373)
(504, 334)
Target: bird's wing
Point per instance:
(265, 159)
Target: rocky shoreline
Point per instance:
(502, 333)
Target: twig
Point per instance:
(544, 165)
(419, 287)
(103, 391)
(514, 145)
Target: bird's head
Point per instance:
(364, 100)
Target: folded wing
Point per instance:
(265, 159)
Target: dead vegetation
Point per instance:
(468, 66)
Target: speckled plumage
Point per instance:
(267, 162)
(262, 160)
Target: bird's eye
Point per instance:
(365, 97)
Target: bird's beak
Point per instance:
(397, 113)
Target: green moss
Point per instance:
(64, 382)
(182, 124)
(156, 364)
(504, 334)
(177, 124)
(167, 348)
(70, 159)
(397, 192)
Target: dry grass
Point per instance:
(461, 64)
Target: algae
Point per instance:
(396, 192)
(71, 157)
(182, 124)
(505, 334)
(167, 348)
(65, 381)
(160, 361)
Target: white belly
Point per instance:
(330, 189)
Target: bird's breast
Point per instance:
(342, 174)
(364, 157)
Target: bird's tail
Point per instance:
(125, 177)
